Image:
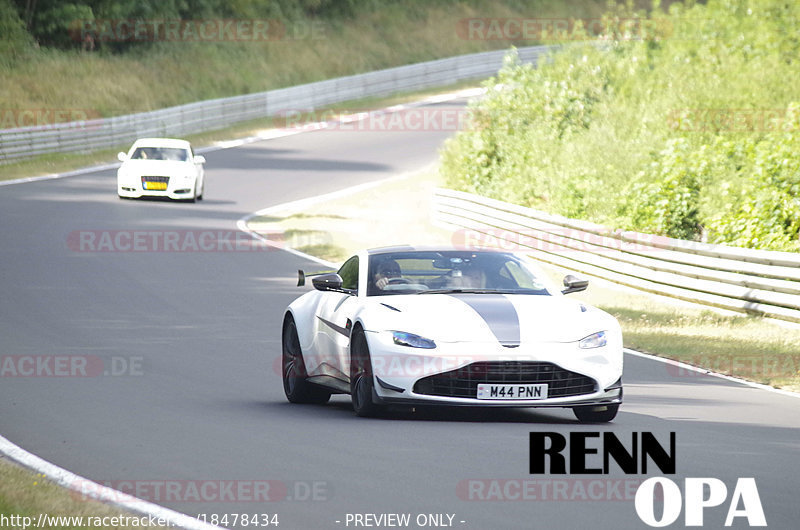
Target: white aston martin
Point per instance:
(161, 167)
(406, 326)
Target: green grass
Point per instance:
(752, 348)
(170, 73)
(24, 493)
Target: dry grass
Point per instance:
(394, 212)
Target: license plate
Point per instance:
(154, 185)
(489, 391)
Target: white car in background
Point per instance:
(161, 167)
(407, 326)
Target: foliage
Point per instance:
(13, 37)
(315, 39)
(690, 130)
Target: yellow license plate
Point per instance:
(155, 185)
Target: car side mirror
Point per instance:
(327, 282)
(199, 159)
(574, 284)
(122, 157)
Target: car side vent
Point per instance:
(391, 307)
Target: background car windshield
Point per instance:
(161, 153)
(419, 272)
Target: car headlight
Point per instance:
(595, 340)
(401, 338)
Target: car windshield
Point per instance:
(429, 272)
(177, 154)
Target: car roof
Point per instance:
(409, 248)
(161, 142)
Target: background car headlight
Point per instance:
(402, 338)
(595, 340)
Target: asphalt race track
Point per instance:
(189, 342)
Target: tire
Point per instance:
(293, 369)
(590, 414)
(202, 191)
(361, 381)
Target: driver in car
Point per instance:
(387, 271)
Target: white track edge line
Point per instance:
(267, 134)
(243, 223)
(705, 371)
(68, 479)
(104, 494)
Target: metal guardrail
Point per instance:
(758, 282)
(92, 135)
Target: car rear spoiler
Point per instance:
(301, 276)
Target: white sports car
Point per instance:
(406, 326)
(161, 167)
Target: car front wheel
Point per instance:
(361, 379)
(295, 384)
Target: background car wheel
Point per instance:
(361, 380)
(591, 414)
(295, 385)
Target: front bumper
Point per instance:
(593, 375)
(176, 188)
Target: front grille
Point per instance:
(157, 183)
(463, 383)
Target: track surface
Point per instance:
(207, 405)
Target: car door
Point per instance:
(199, 170)
(334, 323)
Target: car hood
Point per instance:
(509, 319)
(157, 167)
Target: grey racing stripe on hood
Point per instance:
(499, 314)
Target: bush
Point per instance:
(665, 198)
(668, 134)
(14, 40)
